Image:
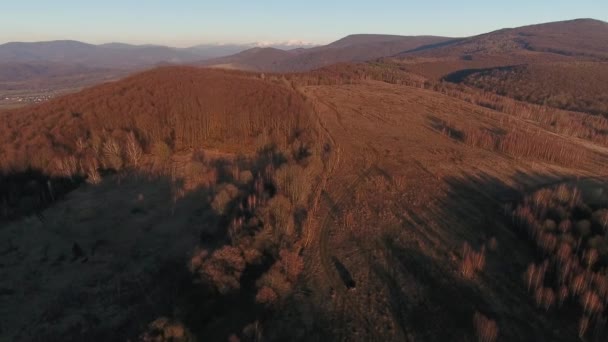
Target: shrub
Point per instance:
(565, 226)
(266, 295)
(223, 269)
(166, 330)
(574, 254)
(197, 168)
(292, 180)
(134, 150)
(583, 325)
(276, 279)
(67, 167)
(92, 172)
(161, 150)
(112, 153)
(600, 217)
(292, 264)
(486, 329)
(472, 261)
(245, 177)
(96, 144)
(280, 211)
(226, 194)
(549, 225)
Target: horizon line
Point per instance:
(266, 42)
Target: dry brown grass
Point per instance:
(574, 124)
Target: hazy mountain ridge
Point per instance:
(353, 48)
(579, 37)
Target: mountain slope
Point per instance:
(584, 38)
(12, 72)
(255, 59)
(50, 78)
(355, 48)
(560, 64)
(109, 55)
(115, 55)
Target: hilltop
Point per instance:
(175, 105)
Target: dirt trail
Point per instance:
(359, 160)
(398, 184)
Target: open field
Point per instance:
(398, 207)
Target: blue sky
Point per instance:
(189, 22)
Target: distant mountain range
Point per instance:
(52, 64)
(119, 55)
(353, 48)
(583, 39)
(430, 56)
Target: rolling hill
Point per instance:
(576, 40)
(45, 68)
(581, 38)
(238, 139)
(565, 61)
(146, 103)
(120, 55)
(107, 55)
(47, 75)
(255, 59)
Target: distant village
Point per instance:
(25, 99)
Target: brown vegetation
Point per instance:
(579, 38)
(172, 123)
(572, 124)
(311, 206)
(167, 108)
(528, 145)
(577, 86)
(166, 330)
(485, 328)
(472, 261)
(566, 225)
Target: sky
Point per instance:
(190, 22)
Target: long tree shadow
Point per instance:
(448, 302)
(120, 252)
(28, 192)
(476, 209)
(429, 297)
